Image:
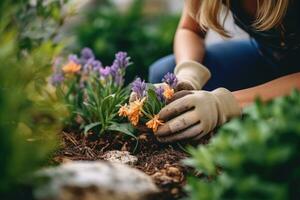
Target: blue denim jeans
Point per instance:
(234, 65)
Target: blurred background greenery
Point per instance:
(30, 115)
(143, 28)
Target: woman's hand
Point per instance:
(195, 113)
(191, 75)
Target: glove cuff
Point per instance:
(192, 72)
(227, 104)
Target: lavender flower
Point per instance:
(139, 87)
(160, 93)
(119, 80)
(87, 54)
(114, 69)
(96, 65)
(104, 72)
(88, 66)
(57, 79)
(122, 61)
(170, 79)
(74, 58)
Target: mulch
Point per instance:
(161, 161)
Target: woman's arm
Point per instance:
(189, 39)
(276, 88)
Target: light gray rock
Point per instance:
(122, 157)
(93, 181)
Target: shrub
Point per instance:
(252, 158)
(107, 30)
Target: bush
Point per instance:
(29, 117)
(252, 158)
(106, 30)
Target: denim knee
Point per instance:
(161, 67)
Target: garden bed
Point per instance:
(161, 161)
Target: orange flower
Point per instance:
(71, 67)
(154, 123)
(135, 111)
(169, 92)
(134, 119)
(123, 111)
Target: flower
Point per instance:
(74, 58)
(154, 123)
(122, 61)
(169, 92)
(139, 87)
(160, 93)
(134, 119)
(170, 79)
(123, 111)
(88, 66)
(135, 111)
(114, 69)
(104, 72)
(57, 79)
(71, 67)
(87, 54)
(96, 64)
(119, 80)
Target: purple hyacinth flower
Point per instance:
(170, 79)
(139, 87)
(96, 64)
(160, 93)
(74, 58)
(122, 61)
(57, 79)
(87, 54)
(114, 69)
(88, 66)
(104, 72)
(119, 80)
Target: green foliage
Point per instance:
(252, 158)
(93, 93)
(29, 117)
(107, 30)
(41, 21)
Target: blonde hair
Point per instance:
(270, 13)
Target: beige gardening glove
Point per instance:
(195, 113)
(191, 75)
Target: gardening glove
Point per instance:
(195, 113)
(191, 75)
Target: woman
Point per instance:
(265, 65)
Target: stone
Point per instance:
(98, 180)
(122, 157)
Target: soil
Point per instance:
(161, 161)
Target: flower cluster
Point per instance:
(148, 101)
(86, 64)
(93, 92)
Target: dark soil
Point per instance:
(161, 161)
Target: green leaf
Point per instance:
(91, 126)
(126, 128)
(153, 101)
